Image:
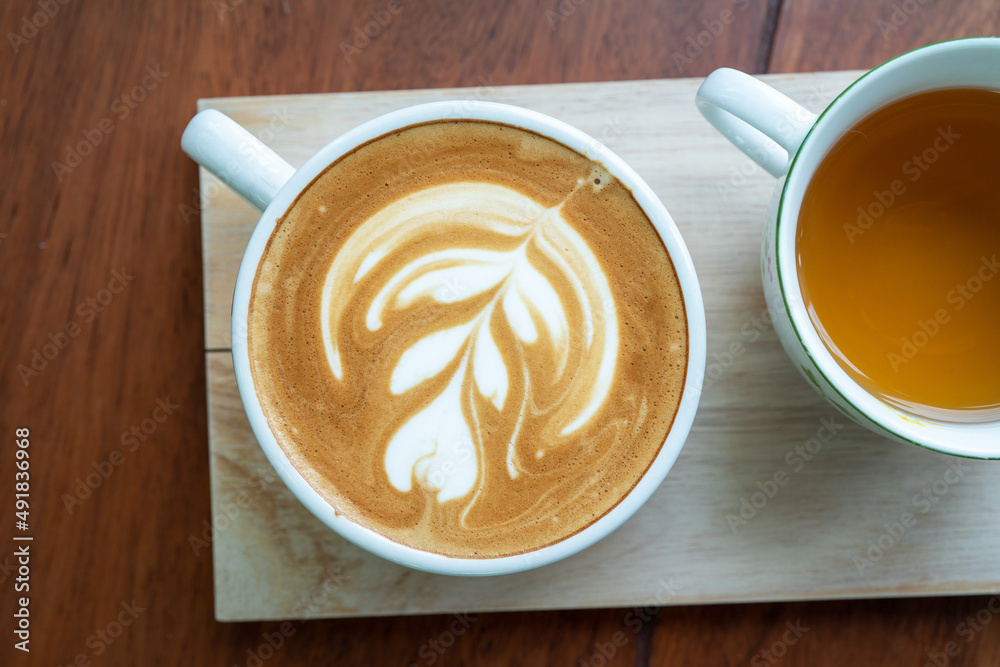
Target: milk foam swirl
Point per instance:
(545, 287)
(468, 338)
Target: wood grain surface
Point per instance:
(104, 89)
(697, 539)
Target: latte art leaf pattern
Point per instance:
(468, 338)
(545, 291)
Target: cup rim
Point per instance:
(901, 425)
(573, 138)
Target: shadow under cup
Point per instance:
(898, 235)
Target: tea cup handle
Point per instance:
(239, 159)
(755, 117)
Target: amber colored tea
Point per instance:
(898, 248)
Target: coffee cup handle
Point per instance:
(236, 157)
(755, 117)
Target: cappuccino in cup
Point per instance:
(468, 338)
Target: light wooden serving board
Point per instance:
(806, 538)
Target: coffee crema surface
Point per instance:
(468, 338)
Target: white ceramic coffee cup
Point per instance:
(790, 142)
(270, 184)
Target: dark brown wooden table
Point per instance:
(101, 276)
